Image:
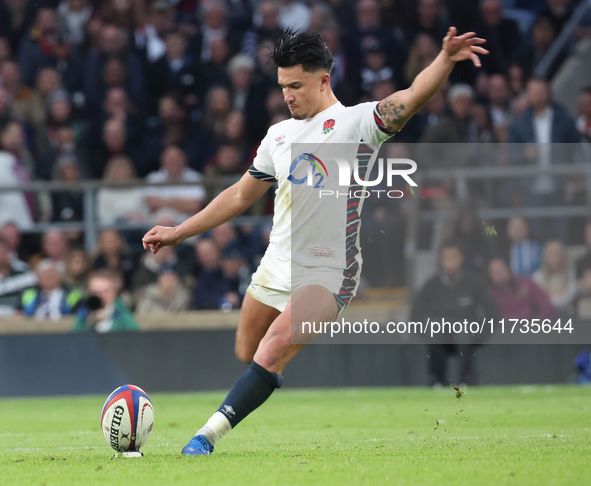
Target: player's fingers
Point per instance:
(475, 59)
(475, 40)
(150, 236)
(466, 36)
(479, 50)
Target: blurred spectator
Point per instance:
(69, 62)
(225, 235)
(453, 295)
(11, 235)
(422, 52)
(151, 266)
(499, 104)
(12, 281)
(64, 145)
(14, 205)
(266, 26)
(5, 106)
(67, 205)
(37, 46)
(184, 200)
(517, 297)
(218, 105)
(54, 247)
(502, 35)
(214, 71)
(558, 12)
(60, 114)
(77, 269)
(214, 27)
(321, 18)
(555, 278)
(223, 287)
(112, 253)
(49, 299)
(543, 36)
(21, 95)
(294, 14)
(583, 367)
(428, 20)
(121, 204)
(341, 82)
(72, 16)
(149, 38)
(114, 142)
(45, 46)
(584, 119)
(582, 264)
(48, 81)
(375, 67)
(112, 45)
(485, 131)
(227, 162)
(235, 134)
(248, 92)
(469, 233)
(370, 30)
(175, 70)
(105, 312)
(525, 254)
(541, 127)
(166, 296)
(172, 127)
(126, 14)
(12, 140)
(5, 50)
(456, 126)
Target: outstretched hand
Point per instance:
(462, 47)
(158, 237)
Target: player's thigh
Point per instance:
(255, 319)
(307, 304)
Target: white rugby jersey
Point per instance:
(311, 226)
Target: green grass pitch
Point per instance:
(522, 435)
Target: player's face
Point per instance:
(301, 90)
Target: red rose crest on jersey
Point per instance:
(328, 126)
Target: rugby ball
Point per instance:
(127, 418)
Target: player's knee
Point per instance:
(272, 353)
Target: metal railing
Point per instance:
(462, 177)
(562, 40)
(90, 224)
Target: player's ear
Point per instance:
(324, 79)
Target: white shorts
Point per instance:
(276, 278)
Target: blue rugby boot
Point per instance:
(198, 446)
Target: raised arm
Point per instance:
(396, 109)
(228, 204)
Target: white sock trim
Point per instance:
(215, 428)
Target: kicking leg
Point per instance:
(255, 320)
(258, 382)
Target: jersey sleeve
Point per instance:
(262, 167)
(371, 127)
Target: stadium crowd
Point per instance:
(179, 90)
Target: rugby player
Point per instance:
(327, 279)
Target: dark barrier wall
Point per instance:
(204, 360)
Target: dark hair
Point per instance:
(587, 89)
(453, 243)
(294, 47)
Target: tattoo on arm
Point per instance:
(393, 113)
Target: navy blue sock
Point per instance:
(249, 392)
